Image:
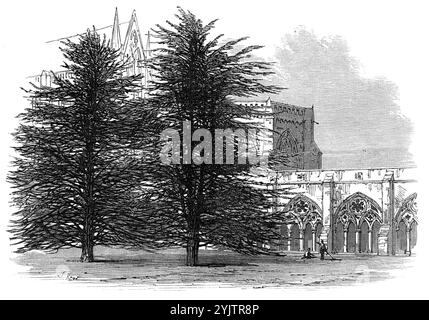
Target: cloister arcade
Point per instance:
(352, 215)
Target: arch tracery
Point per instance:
(358, 208)
(303, 210)
(408, 211)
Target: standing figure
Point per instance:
(323, 249)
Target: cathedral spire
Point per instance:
(133, 38)
(116, 34)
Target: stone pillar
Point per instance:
(314, 240)
(386, 240)
(328, 210)
(382, 239)
(345, 240)
(289, 240)
(370, 240)
(301, 240)
(408, 240)
(357, 250)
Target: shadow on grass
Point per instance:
(223, 265)
(167, 262)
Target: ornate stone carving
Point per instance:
(408, 211)
(303, 210)
(358, 208)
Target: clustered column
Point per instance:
(408, 240)
(314, 240)
(370, 240)
(301, 240)
(357, 240)
(345, 239)
(289, 226)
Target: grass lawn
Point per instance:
(165, 269)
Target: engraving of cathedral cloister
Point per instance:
(363, 210)
(353, 211)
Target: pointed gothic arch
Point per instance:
(405, 228)
(302, 223)
(287, 143)
(408, 211)
(303, 210)
(358, 208)
(358, 217)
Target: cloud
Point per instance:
(354, 113)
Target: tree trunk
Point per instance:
(88, 230)
(87, 252)
(88, 242)
(192, 252)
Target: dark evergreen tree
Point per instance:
(197, 80)
(84, 156)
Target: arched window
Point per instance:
(406, 225)
(303, 211)
(357, 223)
(358, 208)
(287, 143)
(408, 211)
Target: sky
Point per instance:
(385, 37)
(388, 38)
(359, 122)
